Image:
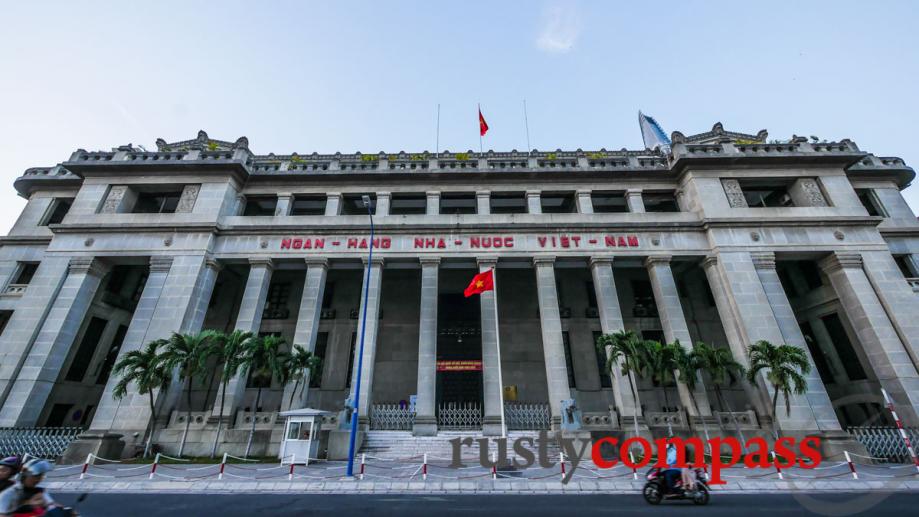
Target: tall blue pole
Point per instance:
(360, 357)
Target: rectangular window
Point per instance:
(904, 266)
(843, 346)
(644, 305)
(4, 319)
(157, 202)
(86, 350)
(557, 203)
(328, 294)
(508, 203)
(260, 205)
(766, 194)
(308, 205)
(568, 364)
(457, 203)
(353, 204)
(606, 380)
(351, 360)
(591, 294)
(870, 201)
(58, 209)
(660, 202)
(26, 273)
(276, 303)
(322, 343)
(111, 356)
(606, 202)
(408, 204)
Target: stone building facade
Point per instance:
(728, 240)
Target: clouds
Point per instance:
(560, 27)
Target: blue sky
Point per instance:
(347, 76)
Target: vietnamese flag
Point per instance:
(483, 126)
(481, 283)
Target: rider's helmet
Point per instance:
(36, 467)
(11, 462)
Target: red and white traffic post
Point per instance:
(903, 435)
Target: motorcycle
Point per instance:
(656, 490)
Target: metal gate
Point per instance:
(527, 417)
(391, 417)
(458, 416)
(885, 442)
(43, 442)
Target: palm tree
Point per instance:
(723, 370)
(297, 364)
(787, 367)
(688, 366)
(145, 369)
(660, 363)
(625, 347)
(188, 353)
(264, 360)
(229, 349)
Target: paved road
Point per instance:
(276, 505)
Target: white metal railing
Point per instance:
(43, 442)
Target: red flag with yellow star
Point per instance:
(481, 283)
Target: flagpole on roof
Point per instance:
(494, 279)
(437, 141)
(526, 124)
(480, 131)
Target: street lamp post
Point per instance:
(360, 356)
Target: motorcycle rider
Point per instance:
(8, 468)
(25, 497)
(672, 472)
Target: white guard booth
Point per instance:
(301, 435)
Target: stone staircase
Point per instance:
(392, 445)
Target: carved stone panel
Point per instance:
(812, 192)
(187, 201)
(113, 201)
(734, 193)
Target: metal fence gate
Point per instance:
(458, 416)
(43, 442)
(885, 442)
(391, 417)
(527, 417)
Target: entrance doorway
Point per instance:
(459, 350)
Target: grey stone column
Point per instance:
(370, 337)
(887, 354)
(585, 203)
(634, 200)
(828, 349)
(308, 317)
(43, 365)
(673, 321)
(425, 420)
(601, 268)
(896, 295)
(248, 319)
(333, 203)
(553, 345)
(534, 206)
(30, 314)
(483, 202)
(283, 206)
(815, 405)
(491, 385)
(432, 205)
(383, 200)
(104, 418)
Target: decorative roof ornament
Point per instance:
(652, 134)
(718, 135)
(202, 142)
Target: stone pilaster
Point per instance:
(897, 296)
(634, 200)
(491, 383)
(46, 358)
(585, 203)
(673, 321)
(483, 202)
(104, 418)
(432, 205)
(383, 201)
(534, 206)
(889, 358)
(425, 420)
(333, 203)
(248, 319)
(308, 322)
(552, 342)
(371, 290)
(188, 198)
(283, 206)
(601, 269)
(815, 405)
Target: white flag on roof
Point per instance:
(652, 133)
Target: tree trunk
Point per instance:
(152, 425)
(223, 398)
(207, 395)
(290, 402)
(187, 416)
(733, 417)
(635, 400)
(775, 414)
(258, 398)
